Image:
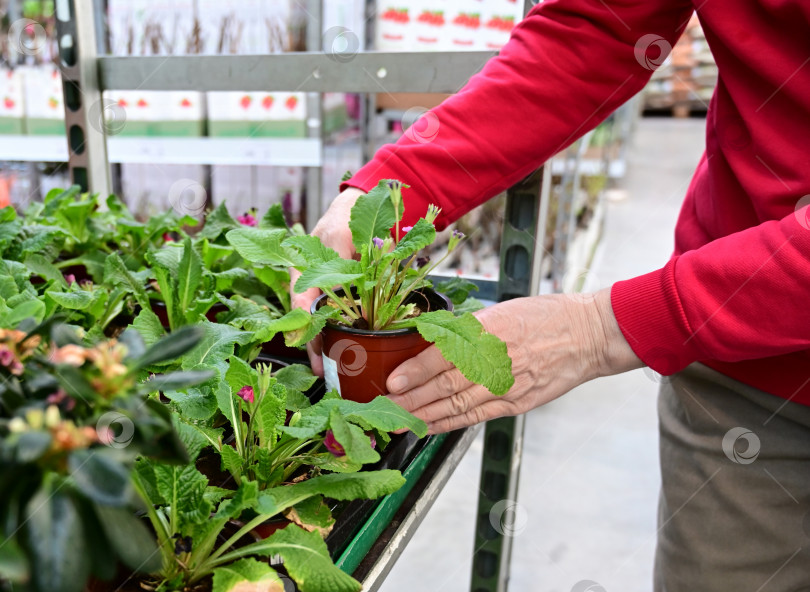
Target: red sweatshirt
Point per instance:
(735, 293)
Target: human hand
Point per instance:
(556, 343)
(333, 230)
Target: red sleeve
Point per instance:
(568, 65)
(740, 297)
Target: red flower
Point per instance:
(246, 392)
(332, 445)
(247, 220)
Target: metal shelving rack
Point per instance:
(86, 74)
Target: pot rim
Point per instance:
(376, 333)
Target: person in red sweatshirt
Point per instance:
(727, 318)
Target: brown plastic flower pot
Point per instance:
(357, 362)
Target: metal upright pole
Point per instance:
(84, 109)
(314, 175)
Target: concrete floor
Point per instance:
(590, 477)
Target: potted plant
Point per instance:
(380, 310)
(74, 418)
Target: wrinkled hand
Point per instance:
(556, 343)
(333, 230)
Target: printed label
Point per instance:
(330, 374)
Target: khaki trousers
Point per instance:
(734, 511)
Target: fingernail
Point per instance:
(399, 384)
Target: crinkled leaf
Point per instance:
(216, 346)
(480, 356)
(456, 289)
(189, 274)
(42, 267)
(294, 320)
(338, 486)
(247, 575)
(354, 441)
(372, 216)
(149, 326)
(78, 300)
(420, 236)
(217, 222)
(32, 308)
(328, 274)
(116, 273)
(274, 218)
(231, 460)
(296, 377)
(183, 487)
(263, 246)
(307, 560)
(312, 514)
(194, 403)
(312, 248)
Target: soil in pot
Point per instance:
(357, 362)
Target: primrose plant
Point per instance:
(382, 291)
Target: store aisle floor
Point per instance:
(590, 477)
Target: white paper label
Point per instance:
(330, 374)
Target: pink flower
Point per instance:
(332, 445)
(167, 238)
(246, 392)
(407, 229)
(70, 278)
(372, 438)
(247, 220)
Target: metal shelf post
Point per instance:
(84, 110)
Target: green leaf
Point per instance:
(194, 403)
(306, 559)
(185, 341)
(329, 274)
(263, 246)
(78, 300)
(296, 377)
(270, 413)
(354, 441)
(312, 514)
(456, 289)
(100, 476)
(274, 218)
(231, 461)
(294, 320)
(116, 273)
(420, 236)
(131, 539)
(216, 346)
(241, 374)
(29, 309)
(217, 222)
(312, 249)
(338, 486)
(380, 414)
(54, 531)
(183, 487)
(189, 276)
(42, 267)
(480, 356)
(237, 577)
(372, 216)
(149, 326)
